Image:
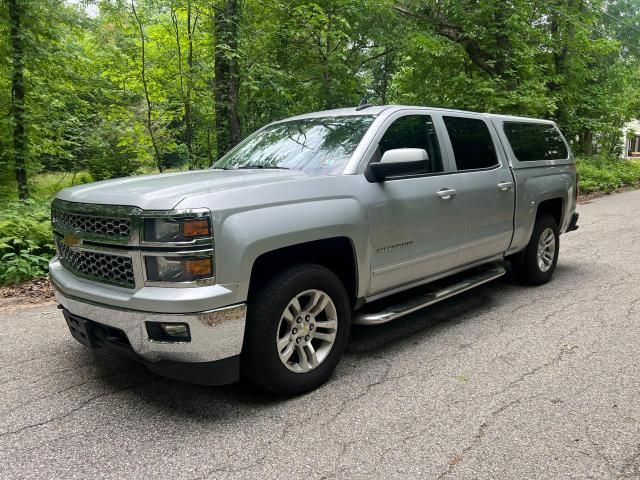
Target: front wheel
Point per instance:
(297, 329)
(538, 261)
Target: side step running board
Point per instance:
(429, 298)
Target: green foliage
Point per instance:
(44, 186)
(606, 174)
(25, 241)
(20, 263)
(174, 157)
(112, 152)
(92, 104)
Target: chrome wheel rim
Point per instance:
(307, 331)
(546, 249)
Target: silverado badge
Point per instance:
(70, 240)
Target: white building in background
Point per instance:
(631, 139)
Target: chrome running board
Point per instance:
(429, 298)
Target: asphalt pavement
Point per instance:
(504, 381)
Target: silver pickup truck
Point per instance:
(259, 266)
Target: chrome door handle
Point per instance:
(505, 186)
(447, 193)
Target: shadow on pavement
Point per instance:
(226, 402)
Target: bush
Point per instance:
(26, 241)
(601, 174)
(175, 157)
(44, 186)
(112, 154)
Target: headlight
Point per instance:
(176, 229)
(178, 269)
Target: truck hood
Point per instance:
(165, 191)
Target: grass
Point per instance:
(601, 174)
(44, 186)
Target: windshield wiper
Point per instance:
(245, 167)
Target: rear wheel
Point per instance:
(297, 329)
(538, 261)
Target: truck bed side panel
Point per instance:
(535, 185)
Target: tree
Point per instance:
(149, 85)
(226, 22)
(17, 97)
(186, 75)
(145, 86)
(559, 60)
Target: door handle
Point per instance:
(447, 193)
(505, 186)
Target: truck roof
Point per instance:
(389, 109)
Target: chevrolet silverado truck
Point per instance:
(258, 266)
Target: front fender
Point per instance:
(242, 237)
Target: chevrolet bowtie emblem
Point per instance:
(70, 240)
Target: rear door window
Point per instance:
(473, 147)
(535, 141)
(414, 131)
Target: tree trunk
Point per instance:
(145, 86)
(186, 80)
(325, 52)
(17, 98)
(384, 84)
(188, 120)
(227, 77)
(562, 38)
(587, 142)
(209, 149)
(504, 51)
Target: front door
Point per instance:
(413, 221)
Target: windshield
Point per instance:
(315, 145)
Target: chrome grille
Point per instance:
(94, 225)
(101, 267)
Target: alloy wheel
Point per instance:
(307, 331)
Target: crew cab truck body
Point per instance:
(260, 265)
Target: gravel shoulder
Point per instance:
(504, 381)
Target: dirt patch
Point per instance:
(34, 292)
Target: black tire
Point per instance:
(525, 264)
(260, 361)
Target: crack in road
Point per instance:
(82, 405)
(477, 439)
(564, 350)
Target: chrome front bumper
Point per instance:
(215, 334)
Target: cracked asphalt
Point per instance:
(504, 381)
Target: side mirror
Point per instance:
(400, 161)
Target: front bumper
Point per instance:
(93, 334)
(216, 334)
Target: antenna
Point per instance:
(363, 104)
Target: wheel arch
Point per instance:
(338, 254)
(554, 207)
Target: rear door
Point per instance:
(486, 190)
